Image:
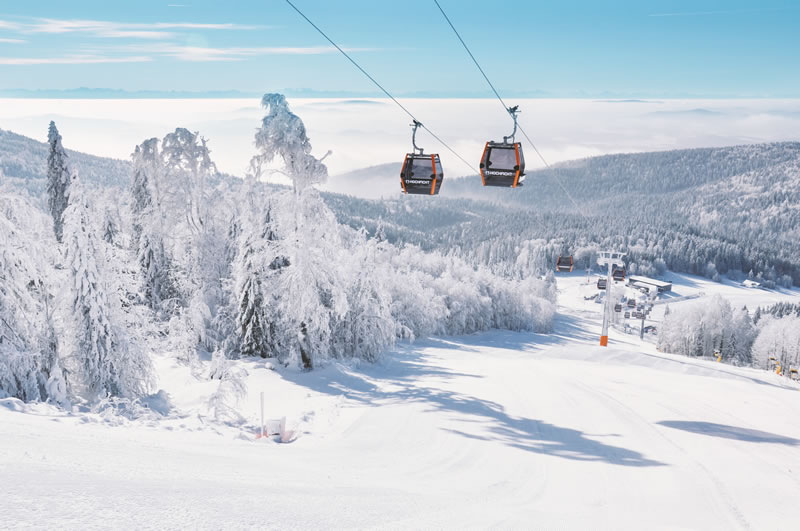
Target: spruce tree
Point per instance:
(106, 360)
(58, 180)
(147, 225)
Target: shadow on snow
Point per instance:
(411, 376)
(729, 432)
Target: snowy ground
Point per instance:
(496, 429)
(686, 289)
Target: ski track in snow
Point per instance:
(498, 429)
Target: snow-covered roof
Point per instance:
(651, 281)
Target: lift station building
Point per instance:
(650, 283)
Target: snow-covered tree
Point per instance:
(29, 367)
(702, 329)
(778, 338)
(147, 210)
(199, 231)
(58, 179)
(283, 135)
(255, 271)
(105, 359)
(312, 290)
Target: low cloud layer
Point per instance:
(361, 133)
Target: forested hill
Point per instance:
(598, 182)
(702, 211)
(25, 160)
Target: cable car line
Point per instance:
(509, 110)
(381, 87)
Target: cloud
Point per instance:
(71, 60)
(207, 54)
(117, 30)
(13, 41)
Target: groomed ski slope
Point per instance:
(497, 429)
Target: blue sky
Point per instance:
(622, 49)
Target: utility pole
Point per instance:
(610, 259)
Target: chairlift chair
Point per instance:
(564, 264)
(421, 174)
(503, 163)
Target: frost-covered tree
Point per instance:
(283, 135)
(58, 179)
(778, 338)
(105, 359)
(313, 293)
(255, 272)
(29, 362)
(148, 214)
(368, 327)
(702, 329)
(198, 233)
(29, 367)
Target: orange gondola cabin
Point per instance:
(421, 174)
(564, 264)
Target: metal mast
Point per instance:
(610, 259)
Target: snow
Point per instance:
(498, 429)
(686, 289)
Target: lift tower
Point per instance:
(610, 259)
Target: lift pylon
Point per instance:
(609, 259)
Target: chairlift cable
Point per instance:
(442, 142)
(506, 108)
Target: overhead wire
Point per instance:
(506, 108)
(358, 66)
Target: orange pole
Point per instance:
(482, 157)
(433, 186)
(402, 181)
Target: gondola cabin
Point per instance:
(564, 264)
(503, 164)
(421, 174)
(618, 274)
(618, 308)
(601, 283)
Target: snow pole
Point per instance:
(262, 414)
